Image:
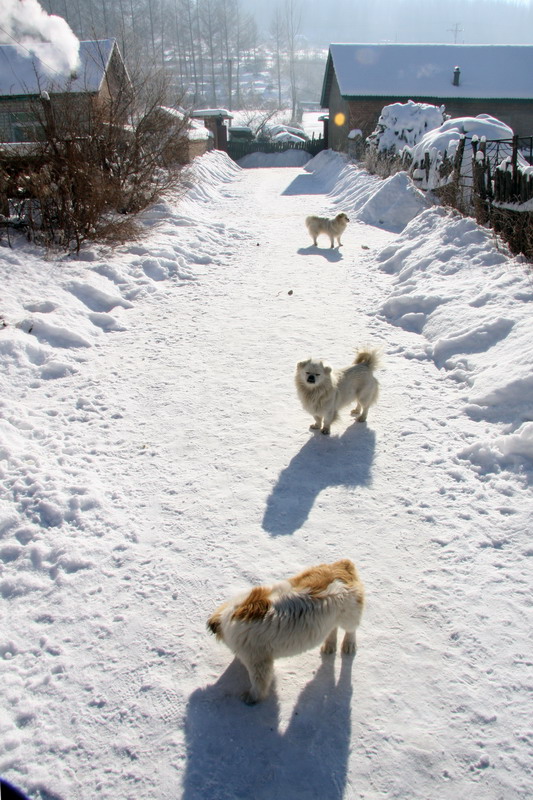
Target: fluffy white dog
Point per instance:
(288, 618)
(334, 228)
(323, 391)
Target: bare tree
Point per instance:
(292, 18)
(276, 34)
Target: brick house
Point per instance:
(360, 79)
(30, 92)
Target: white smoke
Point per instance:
(47, 36)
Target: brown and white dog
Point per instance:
(334, 228)
(323, 391)
(288, 618)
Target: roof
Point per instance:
(212, 112)
(426, 71)
(23, 73)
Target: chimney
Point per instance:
(456, 76)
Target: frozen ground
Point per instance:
(154, 458)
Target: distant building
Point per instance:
(215, 120)
(360, 79)
(31, 93)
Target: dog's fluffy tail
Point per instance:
(369, 357)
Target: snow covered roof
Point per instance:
(212, 112)
(427, 70)
(24, 73)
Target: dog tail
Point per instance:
(369, 357)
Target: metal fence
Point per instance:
(237, 150)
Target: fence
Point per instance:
(501, 170)
(237, 150)
(490, 180)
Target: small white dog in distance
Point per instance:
(324, 391)
(334, 228)
(288, 618)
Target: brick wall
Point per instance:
(365, 113)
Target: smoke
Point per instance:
(46, 36)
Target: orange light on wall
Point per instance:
(339, 119)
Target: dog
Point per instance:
(289, 617)
(323, 391)
(334, 228)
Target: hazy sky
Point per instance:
(442, 21)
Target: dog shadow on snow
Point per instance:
(238, 751)
(323, 461)
(331, 254)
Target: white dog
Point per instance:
(288, 618)
(323, 391)
(334, 228)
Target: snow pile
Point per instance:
(441, 143)
(470, 302)
(402, 124)
(390, 203)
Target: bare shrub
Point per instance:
(98, 163)
(515, 228)
(382, 163)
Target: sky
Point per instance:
(432, 21)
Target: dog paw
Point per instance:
(327, 649)
(325, 431)
(314, 427)
(349, 648)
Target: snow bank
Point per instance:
(390, 203)
(49, 316)
(470, 302)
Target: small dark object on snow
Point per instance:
(365, 247)
(290, 291)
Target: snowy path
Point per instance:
(193, 432)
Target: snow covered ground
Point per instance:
(154, 458)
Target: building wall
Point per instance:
(339, 119)
(365, 113)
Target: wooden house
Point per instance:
(360, 79)
(32, 92)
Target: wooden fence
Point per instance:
(237, 150)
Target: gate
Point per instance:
(237, 150)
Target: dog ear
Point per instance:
(302, 364)
(327, 370)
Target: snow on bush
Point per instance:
(442, 142)
(402, 124)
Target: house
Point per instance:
(33, 94)
(360, 79)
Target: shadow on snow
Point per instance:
(324, 461)
(304, 184)
(332, 254)
(237, 751)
